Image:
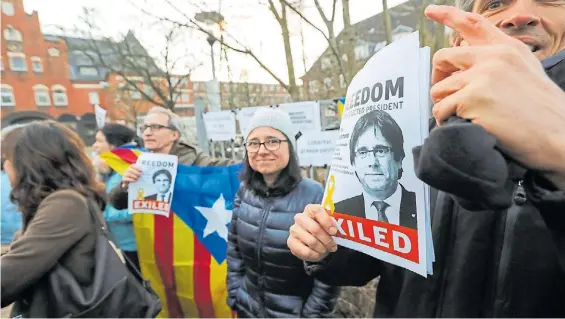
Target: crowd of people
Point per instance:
(489, 263)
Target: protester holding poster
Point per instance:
(161, 134)
(185, 266)
(271, 194)
(492, 262)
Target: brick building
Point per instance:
(61, 78)
(36, 82)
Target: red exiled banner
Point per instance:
(393, 239)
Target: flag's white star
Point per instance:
(218, 217)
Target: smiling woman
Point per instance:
(271, 194)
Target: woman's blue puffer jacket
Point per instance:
(264, 278)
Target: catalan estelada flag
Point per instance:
(184, 255)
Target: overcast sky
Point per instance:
(247, 20)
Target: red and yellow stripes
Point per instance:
(190, 283)
(119, 159)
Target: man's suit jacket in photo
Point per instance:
(154, 197)
(355, 206)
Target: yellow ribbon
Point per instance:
(328, 202)
(140, 193)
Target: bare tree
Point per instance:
(227, 41)
(282, 19)
(387, 23)
(142, 79)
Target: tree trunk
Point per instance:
(387, 23)
(350, 42)
(292, 88)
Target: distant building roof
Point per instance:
(92, 60)
(371, 31)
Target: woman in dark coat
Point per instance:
(264, 278)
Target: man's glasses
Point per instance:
(270, 145)
(156, 127)
(379, 151)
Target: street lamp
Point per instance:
(212, 21)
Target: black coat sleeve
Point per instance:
(118, 197)
(236, 267)
(322, 300)
(345, 267)
(550, 201)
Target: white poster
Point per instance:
(304, 115)
(153, 192)
(220, 126)
(372, 192)
(100, 115)
(316, 148)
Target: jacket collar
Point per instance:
(553, 60)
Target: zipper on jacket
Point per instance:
(264, 215)
(501, 279)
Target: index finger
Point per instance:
(473, 28)
(319, 214)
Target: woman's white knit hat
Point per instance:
(276, 119)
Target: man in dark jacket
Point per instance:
(489, 263)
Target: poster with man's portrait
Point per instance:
(372, 192)
(153, 192)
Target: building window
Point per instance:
(148, 90)
(41, 93)
(7, 96)
(8, 8)
(342, 81)
(17, 62)
(135, 94)
(11, 34)
(36, 65)
(362, 52)
(88, 71)
(313, 87)
(185, 97)
(60, 95)
(328, 83)
(53, 52)
(93, 98)
(326, 63)
(196, 86)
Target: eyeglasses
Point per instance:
(156, 127)
(270, 145)
(379, 151)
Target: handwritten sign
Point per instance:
(220, 126)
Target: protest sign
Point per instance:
(244, 116)
(304, 115)
(316, 148)
(100, 115)
(152, 193)
(220, 126)
(373, 193)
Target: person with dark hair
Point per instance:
(264, 279)
(52, 180)
(376, 152)
(119, 221)
(162, 179)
